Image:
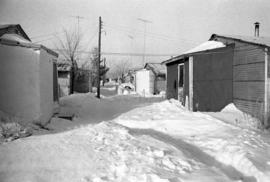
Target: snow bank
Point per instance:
(231, 108)
(243, 149)
(231, 114)
(104, 152)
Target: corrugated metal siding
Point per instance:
(212, 81)
(248, 77)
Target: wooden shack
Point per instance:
(235, 69)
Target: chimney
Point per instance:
(257, 28)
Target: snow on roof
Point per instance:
(157, 68)
(265, 41)
(15, 37)
(13, 29)
(208, 45)
(211, 44)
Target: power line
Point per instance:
(129, 30)
(44, 40)
(46, 35)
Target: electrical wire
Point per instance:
(139, 32)
(46, 35)
(158, 55)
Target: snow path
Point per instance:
(245, 150)
(87, 109)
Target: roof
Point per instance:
(206, 46)
(157, 68)
(10, 42)
(13, 29)
(13, 35)
(261, 41)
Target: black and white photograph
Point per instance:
(134, 91)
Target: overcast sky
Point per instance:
(176, 25)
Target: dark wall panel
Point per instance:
(212, 86)
(171, 90)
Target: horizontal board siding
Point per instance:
(248, 77)
(249, 72)
(245, 56)
(253, 108)
(253, 91)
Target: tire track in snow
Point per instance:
(196, 153)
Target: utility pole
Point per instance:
(131, 45)
(144, 36)
(99, 50)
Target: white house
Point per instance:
(28, 76)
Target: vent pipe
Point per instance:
(257, 29)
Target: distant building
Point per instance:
(223, 70)
(64, 70)
(159, 71)
(150, 79)
(28, 73)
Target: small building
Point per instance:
(159, 71)
(150, 79)
(28, 76)
(64, 70)
(225, 69)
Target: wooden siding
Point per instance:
(249, 72)
(248, 77)
(251, 107)
(249, 91)
(212, 79)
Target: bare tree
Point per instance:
(69, 46)
(120, 69)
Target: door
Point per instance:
(181, 84)
(55, 82)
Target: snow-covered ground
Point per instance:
(159, 142)
(243, 150)
(87, 109)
